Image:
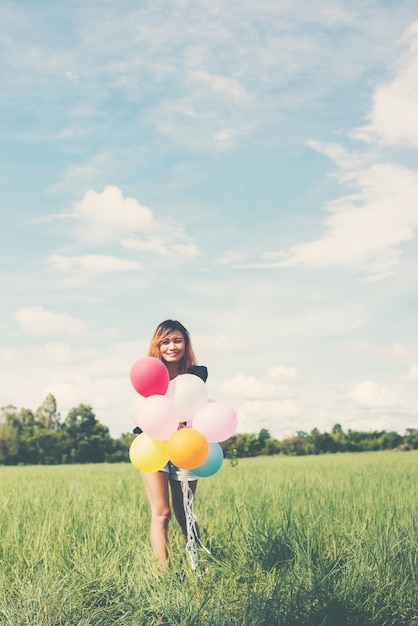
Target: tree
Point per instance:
(90, 440)
(263, 437)
(46, 415)
(411, 438)
(10, 429)
(389, 441)
(119, 448)
(246, 445)
(292, 446)
(9, 444)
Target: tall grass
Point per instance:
(308, 540)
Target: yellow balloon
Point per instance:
(147, 454)
(187, 448)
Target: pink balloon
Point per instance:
(188, 393)
(216, 420)
(149, 376)
(158, 417)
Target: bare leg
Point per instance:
(178, 506)
(156, 486)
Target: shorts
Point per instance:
(175, 472)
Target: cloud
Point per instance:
(219, 344)
(345, 159)
(92, 264)
(106, 216)
(277, 416)
(370, 395)
(413, 373)
(96, 167)
(268, 402)
(221, 84)
(231, 257)
(273, 387)
(393, 119)
(159, 245)
(281, 374)
(273, 55)
(56, 353)
(97, 375)
(373, 351)
(364, 230)
(39, 322)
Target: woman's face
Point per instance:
(173, 347)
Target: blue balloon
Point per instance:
(212, 463)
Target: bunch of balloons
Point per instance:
(168, 404)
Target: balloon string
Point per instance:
(193, 541)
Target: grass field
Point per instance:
(307, 540)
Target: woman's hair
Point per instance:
(164, 330)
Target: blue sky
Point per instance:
(247, 167)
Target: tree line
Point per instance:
(42, 437)
(316, 442)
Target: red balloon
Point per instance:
(149, 376)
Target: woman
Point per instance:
(171, 344)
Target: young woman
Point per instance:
(171, 344)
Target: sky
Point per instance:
(248, 167)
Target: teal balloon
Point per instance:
(212, 463)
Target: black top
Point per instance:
(198, 370)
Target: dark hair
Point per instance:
(163, 330)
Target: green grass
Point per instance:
(328, 540)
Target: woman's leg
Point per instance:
(178, 506)
(156, 486)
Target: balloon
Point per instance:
(212, 463)
(188, 393)
(147, 454)
(187, 448)
(149, 376)
(158, 417)
(216, 421)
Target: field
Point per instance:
(328, 540)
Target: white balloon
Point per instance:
(188, 393)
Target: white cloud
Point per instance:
(107, 215)
(282, 374)
(345, 159)
(252, 388)
(94, 375)
(231, 257)
(277, 416)
(394, 119)
(365, 230)
(54, 353)
(219, 344)
(96, 167)
(413, 372)
(373, 351)
(186, 250)
(39, 322)
(221, 84)
(370, 395)
(92, 263)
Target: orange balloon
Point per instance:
(187, 448)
